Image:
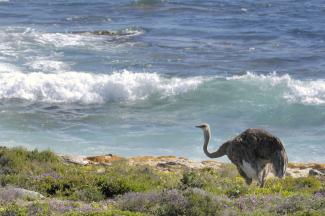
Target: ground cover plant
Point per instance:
(122, 189)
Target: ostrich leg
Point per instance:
(262, 175)
(243, 174)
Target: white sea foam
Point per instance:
(295, 91)
(48, 65)
(130, 32)
(28, 40)
(60, 40)
(88, 19)
(6, 67)
(71, 87)
(64, 40)
(24, 43)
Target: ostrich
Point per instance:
(255, 152)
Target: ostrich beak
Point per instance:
(198, 126)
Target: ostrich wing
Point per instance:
(258, 147)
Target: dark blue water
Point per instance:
(161, 68)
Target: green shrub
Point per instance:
(38, 209)
(16, 160)
(89, 194)
(105, 213)
(201, 203)
(14, 210)
(303, 185)
(191, 179)
(114, 187)
(236, 191)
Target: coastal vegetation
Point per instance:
(56, 187)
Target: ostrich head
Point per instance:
(207, 135)
(206, 131)
(203, 126)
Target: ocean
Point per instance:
(133, 77)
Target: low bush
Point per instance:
(121, 189)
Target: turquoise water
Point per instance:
(167, 66)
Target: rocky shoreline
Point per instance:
(173, 163)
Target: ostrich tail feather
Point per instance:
(280, 163)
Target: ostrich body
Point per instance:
(255, 152)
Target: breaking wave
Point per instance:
(79, 87)
(294, 91)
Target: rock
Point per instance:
(169, 166)
(169, 163)
(103, 33)
(9, 194)
(104, 159)
(100, 170)
(101, 159)
(297, 173)
(172, 163)
(212, 164)
(317, 166)
(314, 172)
(297, 170)
(75, 159)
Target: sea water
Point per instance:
(162, 67)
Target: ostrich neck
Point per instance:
(219, 153)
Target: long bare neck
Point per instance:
(220, 152)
